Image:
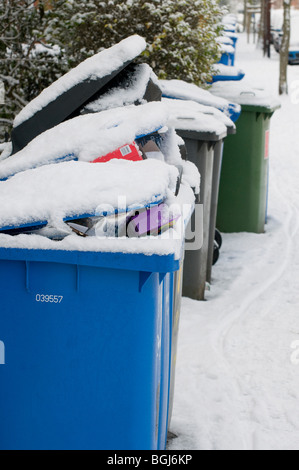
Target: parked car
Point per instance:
(277, 34)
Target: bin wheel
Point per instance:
(218, 238)
(216, 253)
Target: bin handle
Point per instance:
(186, 117)
(247, 93)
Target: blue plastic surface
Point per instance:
(294, 57)
(227, 58)
(223, 78)
(234, 111)
(88, 346)
(42, 223)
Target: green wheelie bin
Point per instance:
(243, 190)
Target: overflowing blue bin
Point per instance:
(228, 55)
(227, 73)
(89, 360)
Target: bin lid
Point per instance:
(227, 49)
(188, 106)
(230, 35)
(225, 40)
(136, 84)
(65, 97)
(182, 90)
(224, 72)
(250, 98)
(72, 190)
(189, 121)
(87, 137)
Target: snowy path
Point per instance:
(237, 387)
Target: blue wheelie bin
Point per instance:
(87, 340)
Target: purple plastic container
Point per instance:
(152, 221)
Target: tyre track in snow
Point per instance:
(235, 316)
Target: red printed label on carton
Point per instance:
(267, 143)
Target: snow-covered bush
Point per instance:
(26, 66)
(181, 34)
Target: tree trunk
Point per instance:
(284, 48)
(261, 28)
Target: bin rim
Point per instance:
(202, 136)
(159, 263)
(255, 108)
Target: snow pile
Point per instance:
(243, 94)
(132, 92)
(87, 137)
(97, 66)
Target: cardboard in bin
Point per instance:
(126, 152)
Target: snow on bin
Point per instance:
(224, 73)
(184, 107)
(86, 137)
(201, 132)
(179, 89)
(243, 190)
(136, 84)
(89, 315)
(65, 97)
(233, 37)
(227, 54)
(203, 101)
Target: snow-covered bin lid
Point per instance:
(87, 137)
(246, 96)
(182, 90)
(189, 109)
(70, 92)
(55, 192)
(229, 27)
(227, 48)
(168, 243)
(137, 84)
(230, 35)
(225, 40)
(227, 72)
(187, 118)
(229, 19)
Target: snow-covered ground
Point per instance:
(237, 375)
